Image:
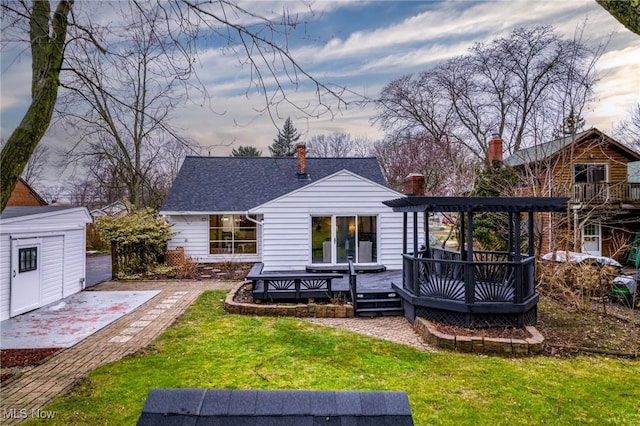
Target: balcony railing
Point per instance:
(606, 193)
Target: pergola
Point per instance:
(471, 288)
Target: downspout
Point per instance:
(246, 215)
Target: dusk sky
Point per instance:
(363, 46)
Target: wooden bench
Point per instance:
(290, 284)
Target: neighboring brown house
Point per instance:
(600, 176)
(24, 195)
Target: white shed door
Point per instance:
(25, 275)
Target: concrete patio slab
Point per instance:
(66, 322)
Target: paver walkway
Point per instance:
(392, 328)
(25, 396)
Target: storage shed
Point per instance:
(42, 256)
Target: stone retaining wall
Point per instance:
(299, 310)
(486, 345)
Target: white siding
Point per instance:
(62, 261)
(192, 233)
(75, 262)
(287, 220)
(51, 269)
(5, 276)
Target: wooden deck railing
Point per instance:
(491, 277)
(604, 193)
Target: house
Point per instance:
(113, 209)
(600, 176)
(24, 195)
(288, 213)
(42, 256)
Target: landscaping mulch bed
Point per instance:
(491, 332)
(226, 271)
(605, 328)
(11, 360)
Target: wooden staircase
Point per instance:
(372, 302)
(377, 304)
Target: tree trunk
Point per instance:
(47, 52)
(627, 12)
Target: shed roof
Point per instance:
(477, 204)
(12, 212)
(237, 184)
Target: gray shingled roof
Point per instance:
(544, 150)
(275, 407)
(540, 151)
(11, 212)
(228, 184)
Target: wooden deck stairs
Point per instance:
(376, 303)
(372, 302)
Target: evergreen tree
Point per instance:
(490, 229)
(246, 151)
(284, 145)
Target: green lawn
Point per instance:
(208, 348)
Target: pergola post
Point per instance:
(519, 282)
(415, 234)
(427, 244)
(532, 247)
(469, 281)
(405, 222)
(510, 234)
(462, 242)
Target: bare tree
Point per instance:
(34, 169)
(259, 42)
(446, 168)
(629, 130)
(338, 145)
(119, 105)
(520, 87)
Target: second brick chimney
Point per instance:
(414, 185)
(301, 150)
(495, 149)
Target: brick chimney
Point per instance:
(301, 150)
(495, 149)
(414, 185)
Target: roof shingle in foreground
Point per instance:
(275, 407)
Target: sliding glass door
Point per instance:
(336, 238)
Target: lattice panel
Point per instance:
(478, 320)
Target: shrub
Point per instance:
(138, 240)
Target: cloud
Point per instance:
(362, 46)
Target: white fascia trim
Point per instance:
(27, 217)
(392, 193)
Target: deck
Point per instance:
(374, 282)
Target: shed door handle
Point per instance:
(14, 273)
